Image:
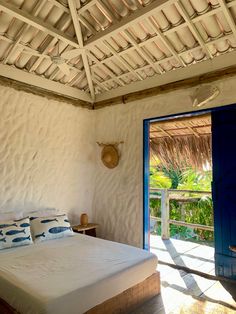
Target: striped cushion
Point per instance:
(50, 227)
(15, 233)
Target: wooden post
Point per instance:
(182, 209)
(165, 213)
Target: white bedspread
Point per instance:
(70, 275)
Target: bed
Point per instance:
(75, 275)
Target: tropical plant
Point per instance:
(199, 211)
(195, 180)
(158, 179)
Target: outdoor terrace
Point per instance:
(195, 290)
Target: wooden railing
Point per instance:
(165, 209)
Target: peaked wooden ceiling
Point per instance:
(99, 49)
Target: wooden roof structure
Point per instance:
(181, 143)
(95, 50)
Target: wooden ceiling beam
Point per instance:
(228, 16)
(105, 69)
(36, 22)
(127, 21)
(164, 132)
(23, 31)
(193, 28)
(42, 83)
(78, 32)
(156, 67)
(194, 132)
(165, 40)
(122, 60)
(86, 6)
(195, 80)
(140, 88)
(59, 5)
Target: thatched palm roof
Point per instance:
(181, 143)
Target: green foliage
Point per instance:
(174, 175)
(201, 212)
(198, 212)
(155, 207)
(195, 180)
(158, 179)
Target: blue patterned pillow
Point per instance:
(15, 233)
(46, 228)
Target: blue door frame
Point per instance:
(146, 151)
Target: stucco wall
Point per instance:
(49, 156)
(118, 193)
(46, 154)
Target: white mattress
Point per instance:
(70, 275)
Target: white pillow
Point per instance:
(53, 227)
(15, 233)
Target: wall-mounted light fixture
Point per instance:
(204, 94)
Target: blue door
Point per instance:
(224, 190)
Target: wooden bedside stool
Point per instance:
(89, 229)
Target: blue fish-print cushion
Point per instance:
(52, 227)
(15, 233)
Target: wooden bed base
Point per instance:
(123, 303)
(131, 298)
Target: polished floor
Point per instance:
(185, 291)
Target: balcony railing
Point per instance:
(165, 209)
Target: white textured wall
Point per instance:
(46, 154)
(49, 156)
(118, 194)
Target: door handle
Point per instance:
(232, 248)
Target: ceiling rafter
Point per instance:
(38, 54)
(122, 60)
(125, 22)
(157, 62)
(165, 40)
(164, 132)
(78, 33)
(106, 10)
(33, 52)
(105, 69)
(23, 31)
(41, 56)
(60, 6)
(100, 84)
(51, 44)
(87, 6)
(37, 23)
(86, 24)
(228, 16)
(193, 28)
(111, 63)
(199, 68)
(42, 82)
(194, 132)
(142, 52)
(195, 19)
(76, 78)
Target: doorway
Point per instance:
(180, 199)
(223, 186)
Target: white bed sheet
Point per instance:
(70, 275)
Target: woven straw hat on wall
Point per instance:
(110, 156)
